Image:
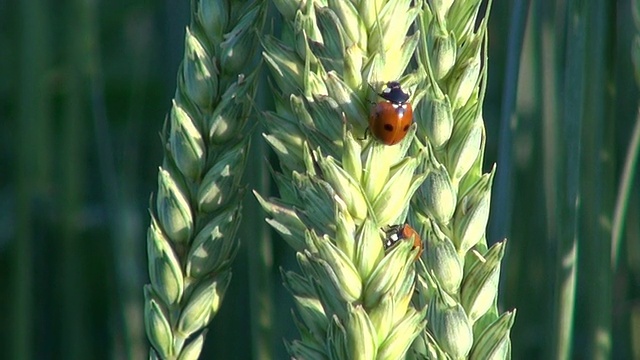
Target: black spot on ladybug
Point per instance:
(405, 128)
(388, 127)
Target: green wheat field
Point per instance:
(206, 179)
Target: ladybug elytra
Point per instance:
(396, 233)
(391, 118)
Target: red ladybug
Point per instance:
(396, 233)
(390, 119)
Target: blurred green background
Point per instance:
(85, 88)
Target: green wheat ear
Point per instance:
(338, 189)
(460, 275)
(191, 240)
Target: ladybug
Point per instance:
(396, 233)
(391, 118)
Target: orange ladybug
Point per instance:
(396, 233)
(390, 119)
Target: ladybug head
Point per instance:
(393, 92)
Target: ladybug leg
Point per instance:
(375, 92)
(366, 134)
